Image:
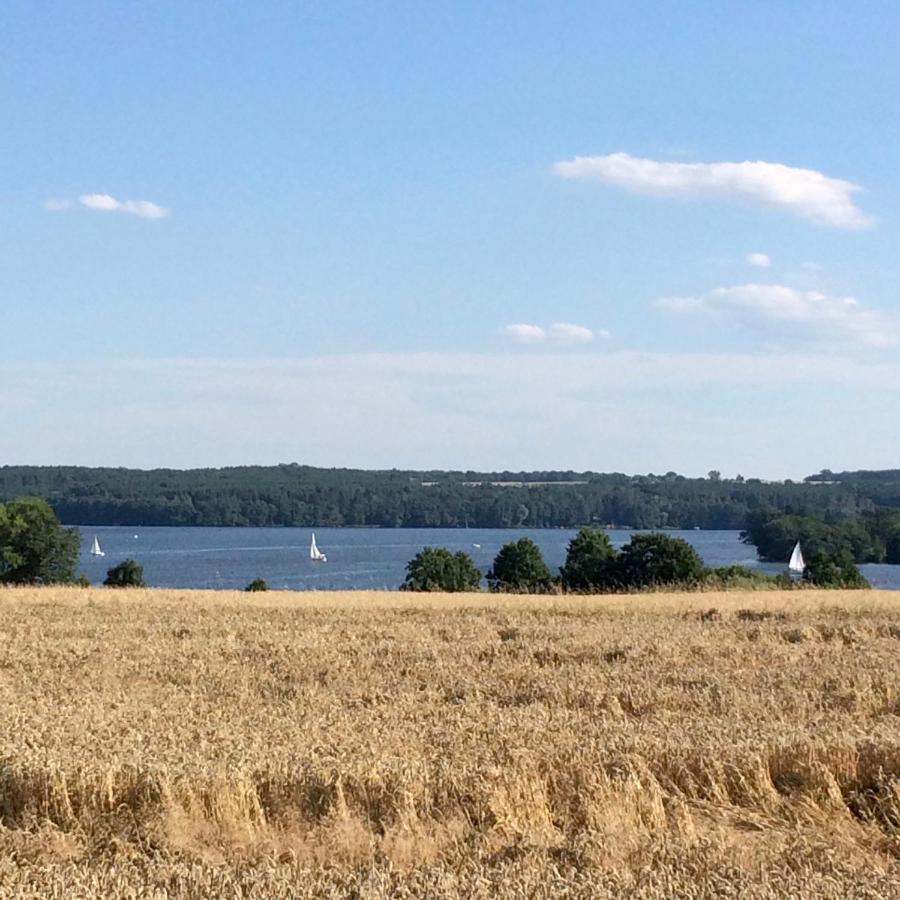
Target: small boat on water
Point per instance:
(797, 566)
(315, 554)
(95, 548)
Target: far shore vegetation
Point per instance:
(303, 496)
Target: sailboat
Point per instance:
(95, 548)
(315, 554)
(796, 566)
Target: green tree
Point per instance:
(590, 562)
(437, 569)
(258, 584)
(127, 573)
(834, 570)
(892, 546)
(519, 567)
(34, 547)
(651, 560)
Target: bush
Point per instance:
(520, 568)
(83, 581)
(727, 577)
(437, 569)
(783, 581)
(834, 570)
(127, 573)
(590, 563)
(34, 547)
(258, 584)
(655, 560)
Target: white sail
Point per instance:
(315, 554)
(95, 548)
(797, 564)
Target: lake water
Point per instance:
(362, 558)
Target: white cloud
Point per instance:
(522, 333)
(794, 314)
(760, 260)
(144, 209)
(570, 334)
(557, 333)
(803, 192)
(99, 201)
(107, 203)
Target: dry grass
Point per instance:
(160, 744)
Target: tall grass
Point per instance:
(181, 744)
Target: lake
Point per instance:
(358, 558)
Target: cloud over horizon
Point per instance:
(143, 209)
(794, 314)
(760, 260)
(607, 411)
(806, 193)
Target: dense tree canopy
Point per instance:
(519, 567)
(306, 496)
(872, 536)
(834, 570)
(437, 569)
(590, 565)
(34, 547)
(651, 560)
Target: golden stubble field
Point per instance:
(183, 744)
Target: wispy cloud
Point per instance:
(567, 333)
(144, 209)
(794, 314)
(760, 260)
(523, 333)
(558, 333)
(804, 192)
(106, 203)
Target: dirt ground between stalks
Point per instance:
(180, 744)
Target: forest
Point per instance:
(298, 495)
(873, 536)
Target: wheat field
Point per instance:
(176, 744)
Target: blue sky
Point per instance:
(618, 236)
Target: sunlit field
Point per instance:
(181, 744)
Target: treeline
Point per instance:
(593, 566)
(294, 495)
(871, 536)
(882, 487)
